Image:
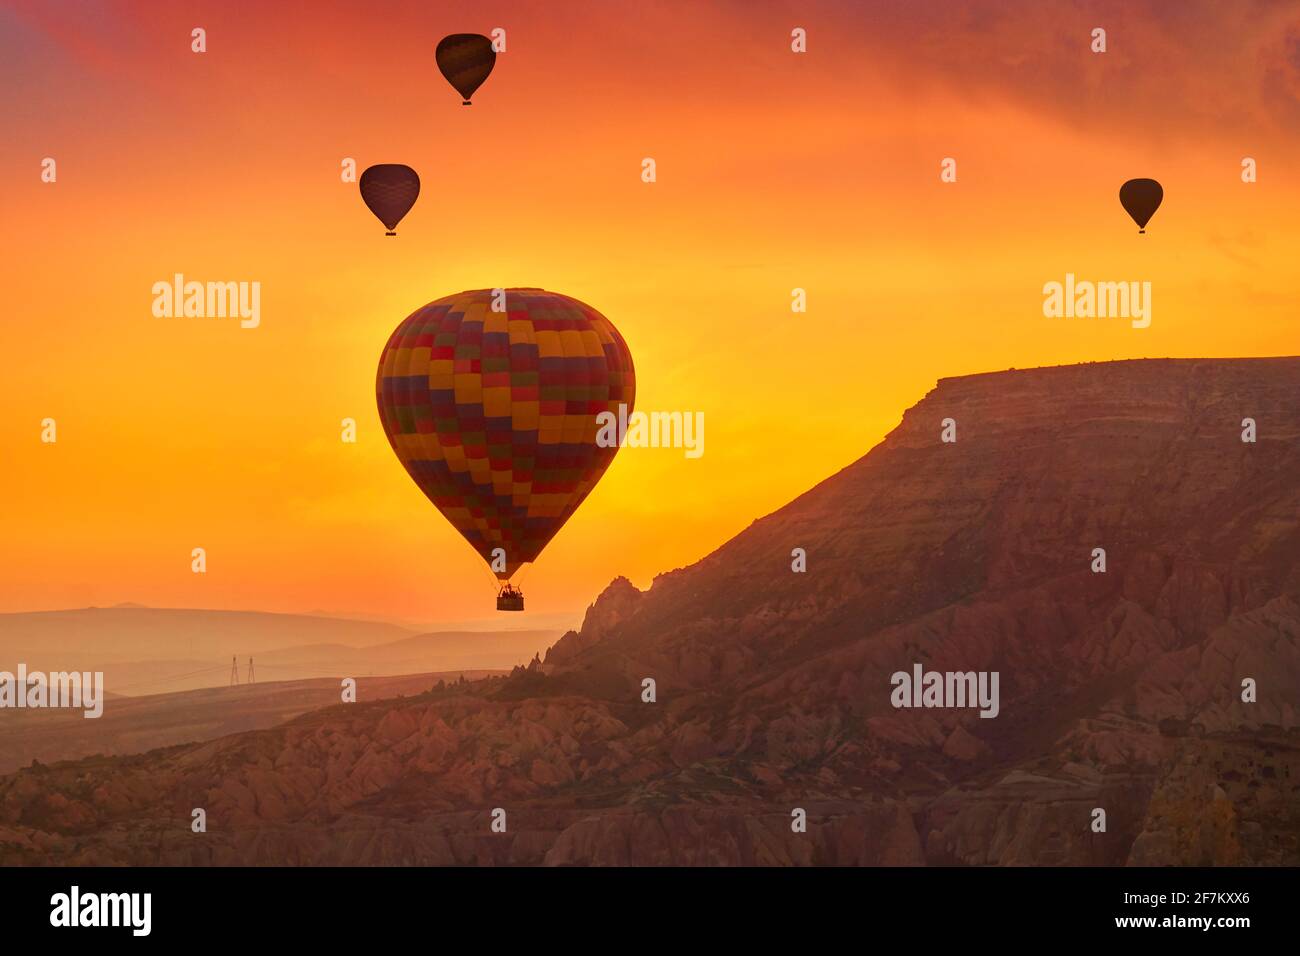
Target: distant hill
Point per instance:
(495, 622)
(159, 650)
(136, 633)
(448, 650)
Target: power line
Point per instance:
(166, 680)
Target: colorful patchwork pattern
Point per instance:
(494, 413)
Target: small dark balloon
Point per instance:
(1140, 199)
(465, 59)
(390, 190)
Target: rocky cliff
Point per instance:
(1120, 690)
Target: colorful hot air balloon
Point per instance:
(1140, 199)
(390, 190)
(493, 413)
(465, 59)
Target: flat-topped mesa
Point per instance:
(1143, 458)
(1158, 391)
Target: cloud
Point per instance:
(1185, 70)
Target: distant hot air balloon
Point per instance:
(493, 413)
(1141, 198)
(390, 190)
(465, 59)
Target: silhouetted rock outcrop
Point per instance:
(615, 604)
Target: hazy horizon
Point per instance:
(518, 622)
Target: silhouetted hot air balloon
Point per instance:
(493, 413)
(390, 190)
(1141, 198)
(465, 59)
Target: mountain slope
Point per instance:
(1049, 463)
(1119, 691)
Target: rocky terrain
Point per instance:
(131, 724)
(1119, 690)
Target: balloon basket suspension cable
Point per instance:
(511, 595)
(510, 598)
(492, 580)
(520, 575)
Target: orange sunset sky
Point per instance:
(775, 170)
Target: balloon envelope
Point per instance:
(465, 59)
(390, 190)
(1141, 198)
(493, 414)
